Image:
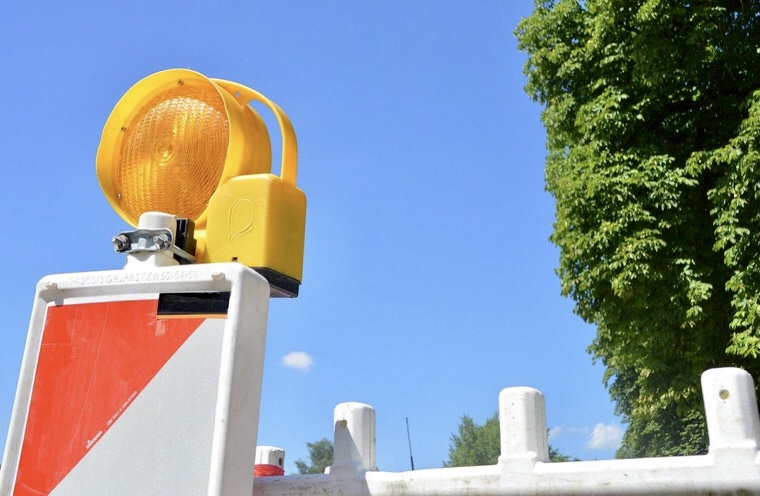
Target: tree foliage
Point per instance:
(476, 444)
(320, 457)
(652, 113)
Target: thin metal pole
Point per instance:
(409, 439)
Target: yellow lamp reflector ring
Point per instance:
(171, 141)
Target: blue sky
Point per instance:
(429, 279)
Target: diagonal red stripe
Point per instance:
(94, 359)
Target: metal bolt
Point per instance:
(121, 243)
(161, 241)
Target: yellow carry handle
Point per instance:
(245, 95)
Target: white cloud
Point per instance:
(605, 437)
(298, 360)
(562, 430)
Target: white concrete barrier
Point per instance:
(731, 467)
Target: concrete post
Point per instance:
(354, 441)
(730, 409)
(522, 421)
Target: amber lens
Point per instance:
(172, 153)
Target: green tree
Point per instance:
(652, 114)
(320, 456)
(476, 444)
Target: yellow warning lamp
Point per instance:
(180, 143)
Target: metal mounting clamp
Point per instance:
(142, 240)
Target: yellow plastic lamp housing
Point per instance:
(180, 143)
(259, 221)
(171, 140)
